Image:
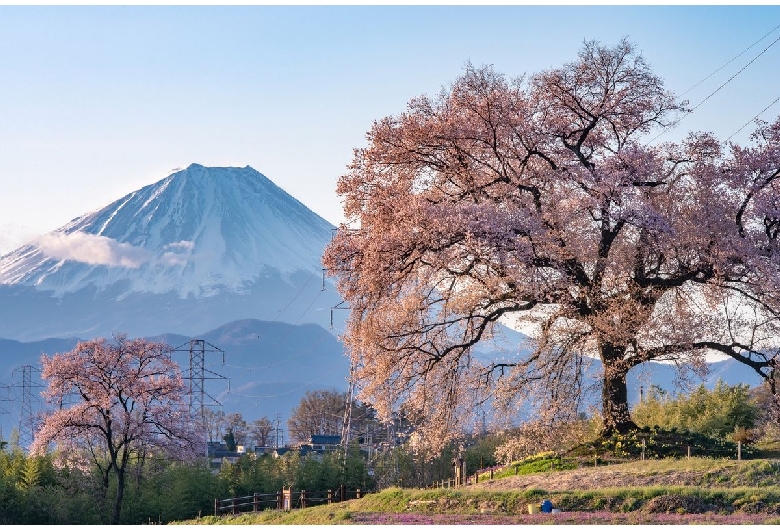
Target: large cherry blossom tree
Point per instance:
(545, 202)
(116, 401)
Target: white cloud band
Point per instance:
(92, 249)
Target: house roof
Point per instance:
(325, 439)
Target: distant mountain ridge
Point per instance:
(267, 368)
(199, 248)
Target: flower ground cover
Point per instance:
(570, 518)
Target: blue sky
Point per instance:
(96, 102)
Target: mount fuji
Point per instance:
(200, 248)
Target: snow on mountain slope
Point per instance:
(197, 232)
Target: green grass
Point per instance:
(533, 464)
(726, 487)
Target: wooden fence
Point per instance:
(283, 500)
(468, 480)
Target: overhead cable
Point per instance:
(731, 78)
(740, 54)
(754, 118)
(689, 112)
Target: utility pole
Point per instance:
(346, 424)
(278, 430)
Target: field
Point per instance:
(669, 491)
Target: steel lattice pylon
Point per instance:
(199, 399)
(26, 418)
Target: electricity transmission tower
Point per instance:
(197, 375)
(26, 418)
(5, 397)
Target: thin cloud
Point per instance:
(92, 249)
(177, 253)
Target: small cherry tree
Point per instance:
(115, 401)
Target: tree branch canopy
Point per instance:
(116, 400)
(540, 199)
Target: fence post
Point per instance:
(235, 506)
(303, 498)
(255, 502)
(330, 496)
(278, 500)
(476, 477)
(491, 474)
(689, 452)
(357, 493)
(216, 507)
(342, 493)
(287, 500)
(517, 468)
(739, 450)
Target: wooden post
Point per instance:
(342, 493)
(739, 450)
(278, 500)
(287, 498)
(644, 446)
(235, 507)
(216, 507)
(476, 477)
(330, 496)
(517, 469)
(491, 474)
(357, 493)
(459, 464)
(689, 452)
(303, 498)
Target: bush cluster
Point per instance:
(33, 490)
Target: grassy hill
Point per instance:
(669, 491)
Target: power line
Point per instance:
(286, 392)
(754, 118)
(691, 111)
(294, 298)
(270, 365)
(732, 77)
(296, 389)
(740, 54)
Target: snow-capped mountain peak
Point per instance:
(198, 231)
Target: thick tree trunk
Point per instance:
(614, 394)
